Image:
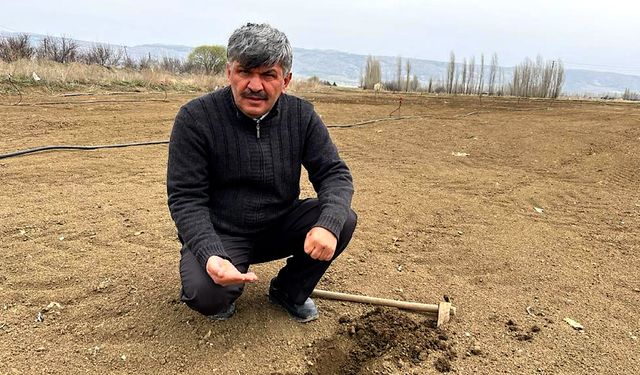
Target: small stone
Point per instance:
(94, 351)
(52, 305)
(475, 350)
(39, 317)
(207, 335)
(524, 337)
(535, 328)
(123, 357)
(40, 349)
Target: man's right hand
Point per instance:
(225, 273)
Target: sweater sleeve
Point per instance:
(329, 176)
(188, 183)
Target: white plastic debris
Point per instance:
(575, 325)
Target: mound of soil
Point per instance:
(382, 341)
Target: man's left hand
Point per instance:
(320, 244)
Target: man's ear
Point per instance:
(229, 72)
(287, 80)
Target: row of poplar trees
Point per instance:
(540, 78)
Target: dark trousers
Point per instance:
(296, 279)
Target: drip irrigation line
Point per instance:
(78, 147)
(149, 143)
(367, 122)
(19, 103)
(86, 102)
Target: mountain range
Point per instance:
(345, 68)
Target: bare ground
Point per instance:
(524, 212)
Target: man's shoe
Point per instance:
(303, 313)
(224, 315)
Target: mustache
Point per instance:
(254, 95)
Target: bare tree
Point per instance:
(630, 95)
(415, 83)
(408, 68)
(16, 47)
(127, 61)
(537, 79)
(372, 73)
(471, 81)
(430, 85)
(451, 72)
(463, 84)
(172, 64)
(493, 71)
(62, 49)
(456, 84)
(103, 55)
(559, 79)
(399, 73)
(147, 62)
(481, 75)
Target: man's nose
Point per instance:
(255, 84)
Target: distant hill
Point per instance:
(345, 68)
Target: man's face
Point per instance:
(255, 91)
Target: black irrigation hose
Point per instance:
(376, 120)
(19, 103)
(76, 147)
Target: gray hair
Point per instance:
(256, 45)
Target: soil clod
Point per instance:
(379, 339)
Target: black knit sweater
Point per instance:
(229, 173)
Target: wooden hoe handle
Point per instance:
(413, 306)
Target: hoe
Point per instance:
(442, 311)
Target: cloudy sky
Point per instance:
(597, 35)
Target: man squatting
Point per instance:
(233, 183)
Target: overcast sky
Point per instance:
(597, 35)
